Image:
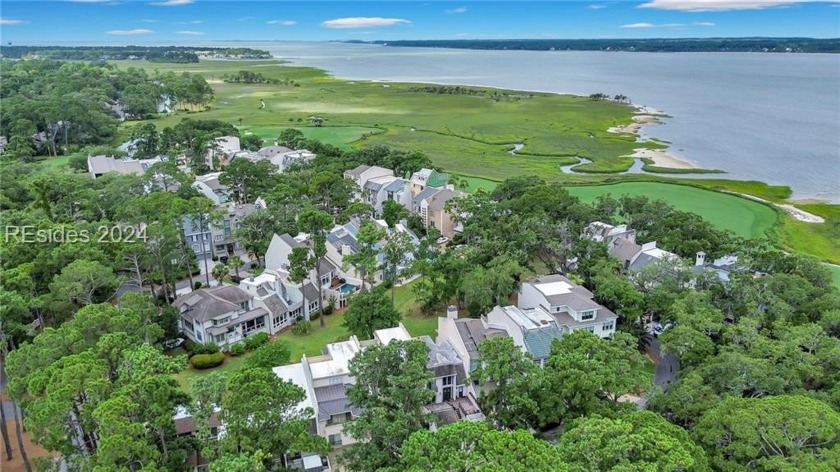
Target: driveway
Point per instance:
(667, 365)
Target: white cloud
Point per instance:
(193, 22)
(10, 22)
(457, 10)
(363, 22)
(597, 6)
(722, 5)
(172, 3)
(667, 25)
(282, 22)
(191, 33)
(639, 25)
(128, 32)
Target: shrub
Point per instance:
(329, 308)
(271, 355)
(197, 285)
(302, 327)
(237, 349)
(314, 315)
(256, 341)
(199, 348)
(207, 361)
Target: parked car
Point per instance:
(173, 343)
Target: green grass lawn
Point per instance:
(835, 274)
(56, 161)
(743, 217)
(339, 136)
(819, 240)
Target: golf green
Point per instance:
(743, 217)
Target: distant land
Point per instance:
(777, 45)
(175, 54)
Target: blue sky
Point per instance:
(173, 21)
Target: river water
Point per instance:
(768, 117)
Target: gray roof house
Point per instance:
(532, 329)
(569, 304)
(223, 315)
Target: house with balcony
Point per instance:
(326, 378)
(223, 315)
(224, 242)
(284, 302)
(571, 306)
(465, 335)
(335, 285)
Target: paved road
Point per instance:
(667, 365)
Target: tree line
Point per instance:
(175, 54)
(52, 107)
(804, 45)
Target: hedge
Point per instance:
(207, 361)
(201, 348)
(256, 340)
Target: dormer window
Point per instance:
(244, 305)
(587, 315)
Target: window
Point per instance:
(339, 418)
(325, 279)
(255, 324)
(335, 439)
(335, 381)
(313, 306)
(587, 315)
(199, 336)
(221, 321)
(447, 380)
(591, 329)
(219, 338)
(187, 325)
(608, 326)
(244, 305)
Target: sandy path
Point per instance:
(796, 213)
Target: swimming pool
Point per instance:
(347, 288)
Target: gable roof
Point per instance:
(438, 200)
(208, 303)
(396, 185)
(424, 194)
(290, 241)
(473, 331)
(538, 341)
(560, 291)
(333, 400)
(357, 172)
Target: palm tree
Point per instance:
(221, 272)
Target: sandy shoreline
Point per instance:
(661, 158)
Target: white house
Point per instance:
(465, 335)
(532, 329)
(222, 150)
(100, 165)
(621, 245)
(209, 186)
(326, 378)
(570, 305)
(223, 315)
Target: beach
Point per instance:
(661, 158)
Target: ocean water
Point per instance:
(768, 117)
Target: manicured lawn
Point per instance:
(311, 344)
(415, 322)
(186, 376)
(339, 136)
(743, 217)
(476, 183)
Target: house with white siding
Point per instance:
(571, 306)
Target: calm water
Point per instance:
(768, 117)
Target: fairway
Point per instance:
(743, 217)
(339, 136)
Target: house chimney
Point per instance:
(251, 278)
(452, 312)
(700, 260)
